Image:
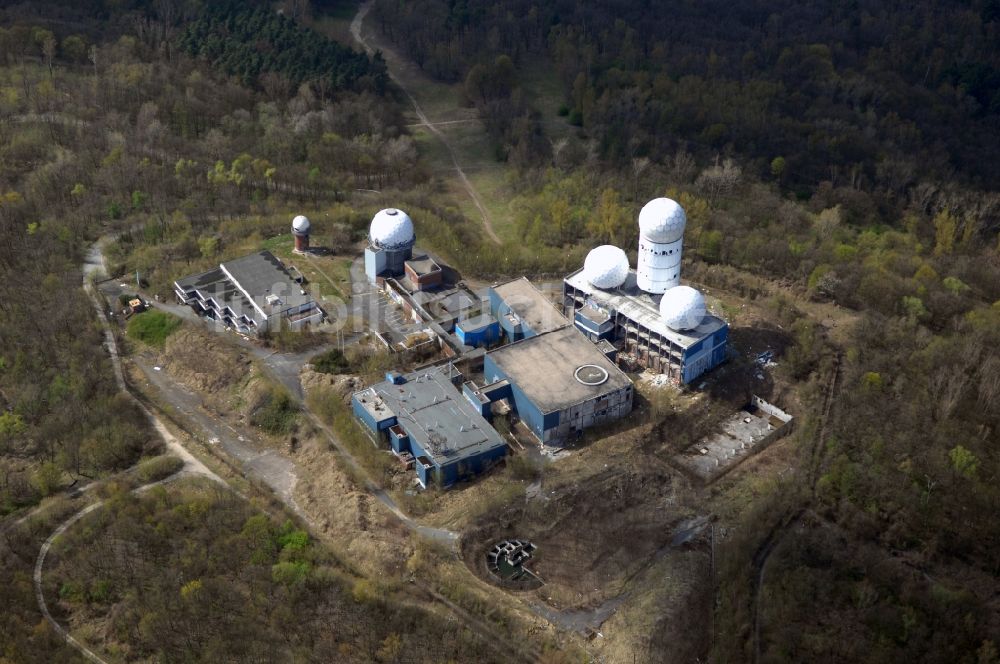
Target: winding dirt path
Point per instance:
(93, 265)
(87, 653)
(356, 30)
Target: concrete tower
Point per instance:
(661, 236)
(300, 231)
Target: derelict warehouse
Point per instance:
(557, 371)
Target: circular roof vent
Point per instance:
(591, 374)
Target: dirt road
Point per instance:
(357, 25)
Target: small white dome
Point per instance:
(606, 266)
(391, 228)
(662, 220)
(300, 224)
(682, 308)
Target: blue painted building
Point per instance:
(523, 311)
(424, 414)
(478, 332)
(631, 319)
(560, 383)
(595, 322)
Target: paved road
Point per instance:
(356, 32)
(270, 466)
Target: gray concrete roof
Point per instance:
(531, 306)
(216, 285)
(644, 309)
(261, 275)
(423, 265)
(244, 284)
(544, 367)
(476, 322)
(437, 416)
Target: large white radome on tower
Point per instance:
(391, 228)
(300, 224)
(661, 242)
(662, 220)
(682, 308)
(606, 266)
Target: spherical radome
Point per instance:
(391, 228)
(682, 308)
(662, 220)
(300, 224)
(606, 266)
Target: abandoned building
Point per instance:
(523, 311)
(655, 322)
(252, 295)
(560, 383)
(427, 422)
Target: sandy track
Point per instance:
(356, 29)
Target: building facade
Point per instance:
(560, 383)
(424, 417)
(252, 295)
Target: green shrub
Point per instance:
(331, 362)
(153, 327)
(276, 415)
(157, 468)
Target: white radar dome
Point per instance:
(300, 224)
(606, 267)
(682, 308)
(391, 228)
(662, 220)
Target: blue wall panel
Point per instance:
(526, 410)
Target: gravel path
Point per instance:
(356, 32)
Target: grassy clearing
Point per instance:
(153, 327)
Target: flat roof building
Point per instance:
(633, 316)
(251, 294)
(523, 311)
(561, 383)
(423, 414)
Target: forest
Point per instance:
(260, 46)
(857, 93)
(259, 590)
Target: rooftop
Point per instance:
(532, 307)
(259, 276)
(545, 368)
(422, 265)
(216, 285)
(262, 275)
(434, 413)
(644, 309)
(476, 322)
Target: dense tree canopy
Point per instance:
(860, 93)
(253, 42)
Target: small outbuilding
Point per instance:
(477, 332)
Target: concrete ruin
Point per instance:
(741, 435)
